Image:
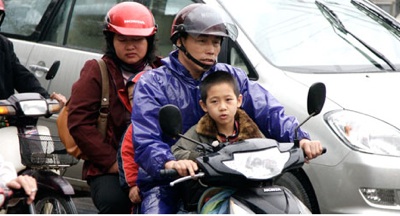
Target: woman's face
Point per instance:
(130, 49)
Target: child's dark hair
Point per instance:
(218, 77)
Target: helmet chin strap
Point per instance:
(183, 49)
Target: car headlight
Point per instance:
(365, 133)
(262, 164)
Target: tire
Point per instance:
(291, 182)
(50, 203)
(20, 208)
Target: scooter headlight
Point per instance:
(33, 107)
(262, 164)
(365, 133)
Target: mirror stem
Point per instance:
(190, 139)
(48, 86)
(296, 139)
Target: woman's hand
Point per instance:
(28, 183)
(60, 98)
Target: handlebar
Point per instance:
(7, 194)
(174, 174)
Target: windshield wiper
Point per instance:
(335, 21)
(372, 10)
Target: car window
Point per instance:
(164, 13)
(22, 17)
(85, 24)
(231, 53)
(68, 23)
(85, 29)
(58, 27)
(79, 24)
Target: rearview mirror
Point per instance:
(53, 70)
(316, 98)
(315, 103)
(170, 120)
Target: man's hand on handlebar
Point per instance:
(311, 148)
(183, 167)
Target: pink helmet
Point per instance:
(130, 18)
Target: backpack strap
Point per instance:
(103, 112)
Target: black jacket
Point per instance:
(14, 75)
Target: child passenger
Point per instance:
(127, 167)
(224, 121)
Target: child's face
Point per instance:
(222, 104)
(130, 94)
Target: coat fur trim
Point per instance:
(247, 127)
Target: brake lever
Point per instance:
(185, 178)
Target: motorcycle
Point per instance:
(35, 152)
(245, 171)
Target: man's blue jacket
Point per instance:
(173, 84)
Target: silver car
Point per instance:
(286, 45)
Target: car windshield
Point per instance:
(305, 36)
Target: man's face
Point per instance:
(204, 48)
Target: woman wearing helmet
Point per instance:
(197, 32)
(129, 30)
